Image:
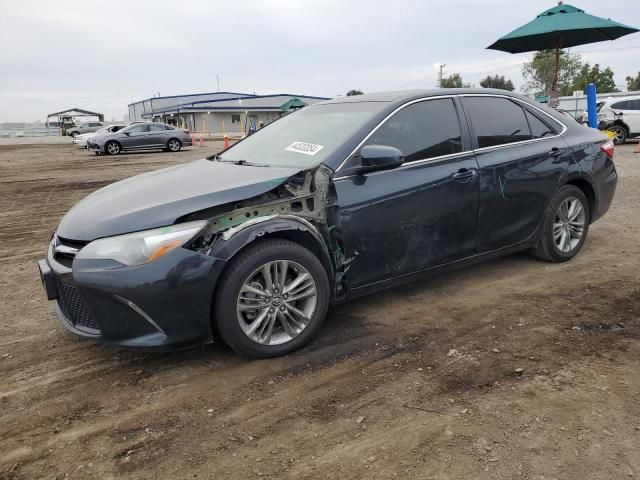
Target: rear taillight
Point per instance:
(608, 148)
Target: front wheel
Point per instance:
(112, 148)
(272, 299)
(74, 134)
(565, 226)
(174, 145)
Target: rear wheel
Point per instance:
(112, 148)
(74, 134)
(272, 298)
(620, 134)
(565, 226)
(174, 145)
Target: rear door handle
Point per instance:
(464, 174)
(555, 152)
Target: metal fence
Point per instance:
(39, 131)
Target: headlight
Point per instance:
(142, 247)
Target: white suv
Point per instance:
(624, 113)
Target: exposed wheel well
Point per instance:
(299, 236)
(308, 241)
(588, 191)
(305, 239)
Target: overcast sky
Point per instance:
(103, 55)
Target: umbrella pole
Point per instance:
(555, 88)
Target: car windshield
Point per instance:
(304, 138)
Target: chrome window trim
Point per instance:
(483, 149)
(411, 163)
(521, 103)
(375, 129)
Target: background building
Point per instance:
(219, 112)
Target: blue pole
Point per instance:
(591, 105)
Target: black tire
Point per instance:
(173, 145)
(547, 249)
(235, 275)
(621, 134)
(74, 134)
(113, 148)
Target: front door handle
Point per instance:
(464, 174)
(555, 152)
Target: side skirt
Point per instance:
(353, 293)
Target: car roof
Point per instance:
(403, 96)
(620, 98)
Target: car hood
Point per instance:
(159, 198)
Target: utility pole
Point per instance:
(440, 66)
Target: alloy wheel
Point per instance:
(276, 302)
(174, 145)
(619, 135)
(113, 148)
(568, 225)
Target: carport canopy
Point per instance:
(76, 112)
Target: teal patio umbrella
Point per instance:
(560, 27)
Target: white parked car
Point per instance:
(622, 115)
(81, 140)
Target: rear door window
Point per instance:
(635, 104)
(422, 130)
(539, 129)
(619, 105)
(497, 121)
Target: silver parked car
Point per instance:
(141, 136)
(88, 127)
(81, 140)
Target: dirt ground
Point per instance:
(513, 369)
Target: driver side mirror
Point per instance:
(379, 157)
(126, 133)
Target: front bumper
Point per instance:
(94, 146)
(164, 305)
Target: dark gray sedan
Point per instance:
(337, 200)
(141, 136)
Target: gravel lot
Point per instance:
(513, 369)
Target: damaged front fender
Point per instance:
(301, 209)
(288, 226)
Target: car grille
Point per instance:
(68, 250)
(75, 309)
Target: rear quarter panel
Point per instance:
(591, 164)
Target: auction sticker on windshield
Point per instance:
(304, 147)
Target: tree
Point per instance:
(497, 81)
(633, 83)
(453, 81)
(538, 72)
(353, 92)
(602, 78)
